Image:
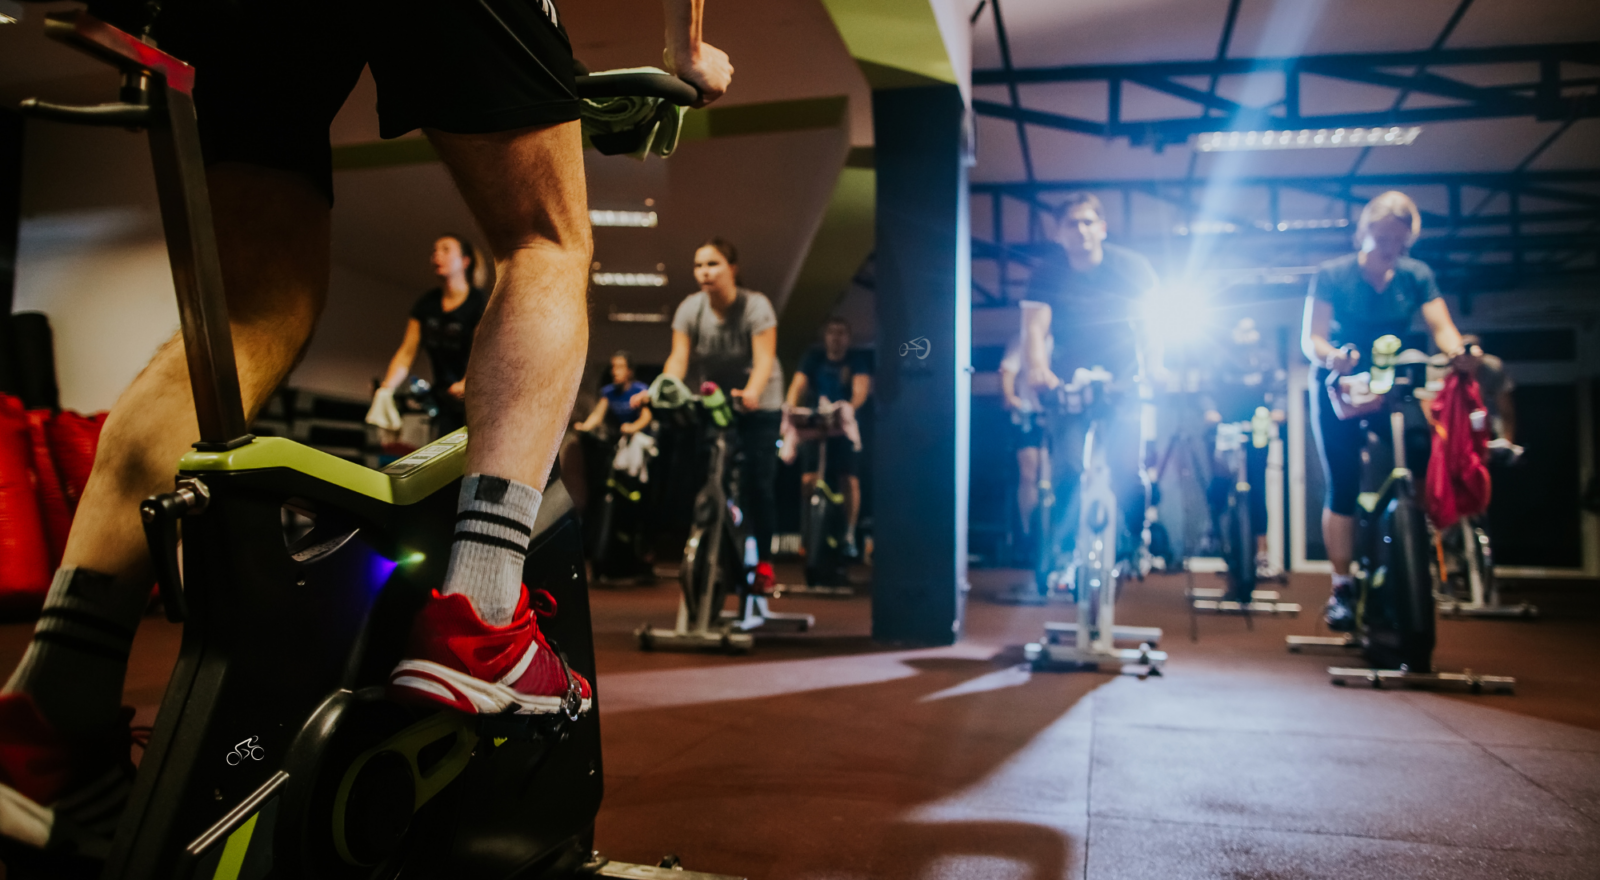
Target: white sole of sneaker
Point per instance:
(23, 820)
(441, 684)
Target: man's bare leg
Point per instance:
(526, 189)
(272, 236)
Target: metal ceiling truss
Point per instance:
(1557, 94)
(1471, 250)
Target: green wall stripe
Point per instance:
(842, 243)
(897, 42)
(234, 851)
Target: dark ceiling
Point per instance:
(1085, 95)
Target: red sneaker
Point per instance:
(60, 795)
(456, 660)
(765, 579)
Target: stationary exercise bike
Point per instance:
(618, 542)
(1091, 574)
(1235, 527)
(825, 520)
(275, 752)
(1467, 585)
(1395, 620)
(720, 557)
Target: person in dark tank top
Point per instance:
(442, 324)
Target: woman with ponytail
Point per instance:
(442, 323)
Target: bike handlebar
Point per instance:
(638, 85)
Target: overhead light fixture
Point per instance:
(1222, 227)
(10, 12)
(628, 279)
(620, 317)
(636, 219)
(1306, 138)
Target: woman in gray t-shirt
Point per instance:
(729, 335)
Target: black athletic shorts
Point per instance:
(272, 74)
(841, 457)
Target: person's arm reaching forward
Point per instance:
(860, 389)
(400, 364)
(689, 57)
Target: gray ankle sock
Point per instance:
(75, 666)
(494, 524)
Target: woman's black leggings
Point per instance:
(1339, 443)
(758, 439)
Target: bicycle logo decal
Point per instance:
(919, 346)
(246, 749)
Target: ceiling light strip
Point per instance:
(1306, 138)
(635, 219)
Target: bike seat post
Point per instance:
(196, 270)
(157, 91)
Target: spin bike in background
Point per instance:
(1467, 585)
(1091, 573)
(1235, 527)
(720, 557)
(275, 750)
(1395, 620)
(617, 540)
(825, 520)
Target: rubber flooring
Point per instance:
(825, 756)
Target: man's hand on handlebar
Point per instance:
(1467, 360)
(1343, 361)
(640, 400)
(458, 390)
(707, 69)
(1044, 378)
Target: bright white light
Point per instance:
(637, 219)
(1306, 138)
(629, 279)
(1221, 227)
(1175, 313)
(10, 12)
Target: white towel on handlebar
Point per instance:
(633, 453)
(383, 413)
(790, 437)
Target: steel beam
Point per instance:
(1552, 96)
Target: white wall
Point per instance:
(107, 286)
(92, 257)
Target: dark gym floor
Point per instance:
(826, 757)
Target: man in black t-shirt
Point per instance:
(1093, 292)
(833, 371)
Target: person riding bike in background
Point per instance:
(1091, 293)
(442, 323)
(729, 335)
(833, 371)
(1027, 437)
(494, 92)
(616, 407)
(1246, 378)
(1355, 299)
